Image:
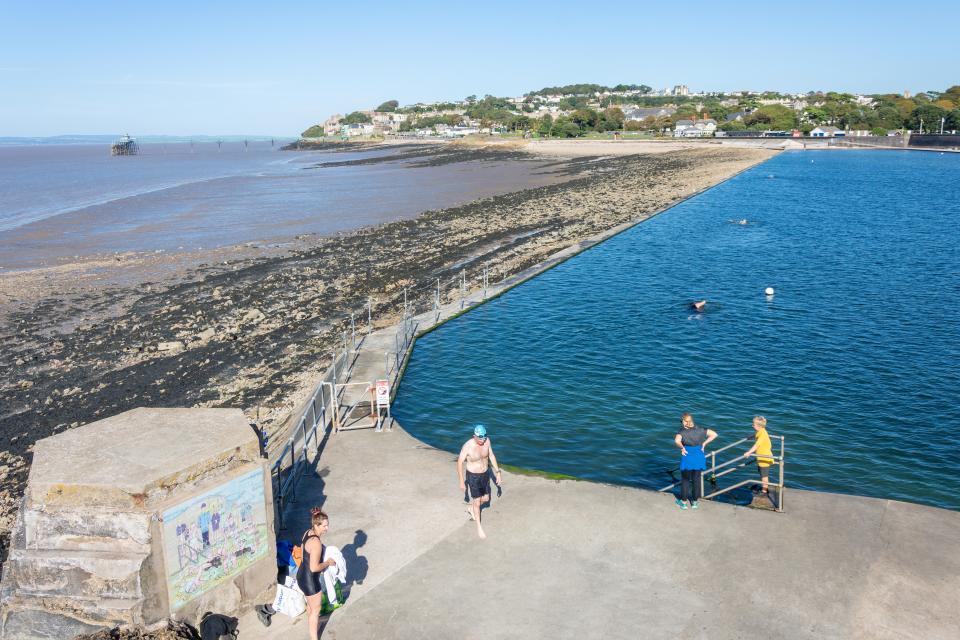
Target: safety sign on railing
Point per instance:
(383, 393)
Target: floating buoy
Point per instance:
(768, 291)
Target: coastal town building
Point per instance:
(640, 113)
(826, 132)
(695, 128)
(331, 126)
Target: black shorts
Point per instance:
(478, 484)
(764, 472)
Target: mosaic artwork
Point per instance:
(214, 536)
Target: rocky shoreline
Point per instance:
(255, 329)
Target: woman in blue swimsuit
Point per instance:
(309, 573)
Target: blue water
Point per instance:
(586, 369)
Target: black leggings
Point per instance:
(690, 485)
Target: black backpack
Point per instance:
(214, 626)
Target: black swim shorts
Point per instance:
(478, 484)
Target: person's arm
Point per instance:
(460, 460)
(679, 442)
(496, 465)
(751, 450)
(711, 436)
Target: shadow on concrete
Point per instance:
(357, 565)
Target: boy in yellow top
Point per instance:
(764, 450)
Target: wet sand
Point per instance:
(253, 326)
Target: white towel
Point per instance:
(333, 574)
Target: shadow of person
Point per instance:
(357, 565)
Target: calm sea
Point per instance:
(856, 358)
(58, 201)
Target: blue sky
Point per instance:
(222, 68)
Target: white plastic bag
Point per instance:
(289, 601)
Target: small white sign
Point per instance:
(383, 393)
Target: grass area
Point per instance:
(549, 475)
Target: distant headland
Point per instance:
(585, 110)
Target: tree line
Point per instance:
(931, 109)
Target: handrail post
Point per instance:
(303, 435)
(782, 462)
(293, 469)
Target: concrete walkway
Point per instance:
(569, 559)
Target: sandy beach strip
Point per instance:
(254, 327)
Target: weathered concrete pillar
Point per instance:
(150, 514)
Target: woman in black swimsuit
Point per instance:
(309, 577)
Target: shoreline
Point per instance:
(256, 333)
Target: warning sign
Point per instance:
(383, 393)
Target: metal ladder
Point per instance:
(715, 471)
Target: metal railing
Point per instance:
(734, 464)
(324, 414)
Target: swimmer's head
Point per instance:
(480, 432)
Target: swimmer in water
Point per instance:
(698, 306)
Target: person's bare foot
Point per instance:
(470, 512)
(480, 532)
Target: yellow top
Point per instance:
(764, 448)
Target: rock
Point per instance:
(253, 315)
(26, 384)
(205, 335)
(172, 347)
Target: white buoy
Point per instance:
(768, 291)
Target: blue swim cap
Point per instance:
(480, 431)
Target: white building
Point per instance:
(695, 128)
(827, 132)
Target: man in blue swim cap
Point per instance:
(477, 455)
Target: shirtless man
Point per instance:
(477, 452)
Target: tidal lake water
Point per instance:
(586, 369)
(61, 201)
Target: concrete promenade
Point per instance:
(571, 559)
(568, 559)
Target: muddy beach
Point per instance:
(253, 326)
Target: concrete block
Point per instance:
(138, 459)
(87, 530)
(148, 514)
(75, 574)
(37, 624)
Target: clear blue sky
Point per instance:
(213, 67)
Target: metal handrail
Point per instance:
(738, 463)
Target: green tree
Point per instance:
(585, 118)
(953, 121)
(389, 106)
(771, 116)
(733, 125)
(611, 119)
(564, 127)
(930, 114)
(356, 117)
(316, 131)
(545, 125)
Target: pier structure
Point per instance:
(125, 146)
(571, 559)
